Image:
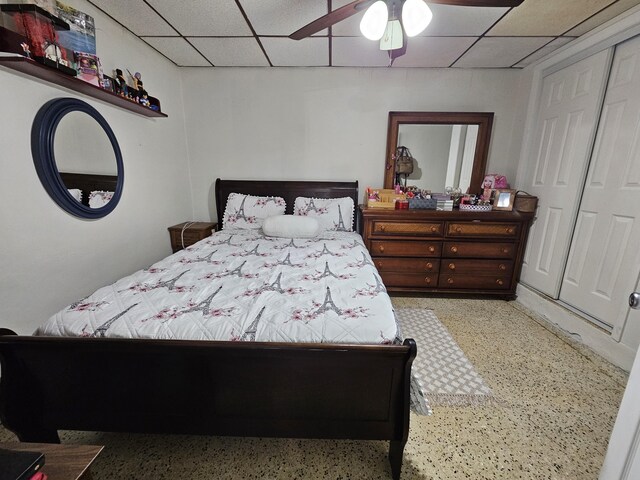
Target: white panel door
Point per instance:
(604, 260)
(566, 125)
(622, 461)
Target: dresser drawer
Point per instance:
(401, 248)
(406, 264)
(407, 228)
(477, 267)
(482, 229)
(479, 250)
(488, 282)
(397, 279)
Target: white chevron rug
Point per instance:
(445, 373)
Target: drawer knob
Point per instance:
(432, 249)
(510, 230)
(434, 229)
(454, 249)
(429, 266)
(452, 266)
(499, 282)
(383, 228)
(427, 280)
(380, 265)
(502, 266)
(381, 248)
(459, 229)
(450, 281)
(505, 250)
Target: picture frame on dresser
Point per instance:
(503, 199)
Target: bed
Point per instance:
(86, 183)
(213, 387)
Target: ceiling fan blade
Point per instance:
(479, 3)
(330, 18)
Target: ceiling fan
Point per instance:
(381, 20)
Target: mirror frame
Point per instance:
(43, 133)
(484, 120)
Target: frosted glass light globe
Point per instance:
(374, 21)
(416, 15)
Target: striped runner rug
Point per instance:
(445, 373)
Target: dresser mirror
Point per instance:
(449, 149)
(77, 157)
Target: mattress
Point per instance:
(241, 285)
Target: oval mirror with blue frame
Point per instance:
(83, 187)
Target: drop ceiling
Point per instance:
(254, 33)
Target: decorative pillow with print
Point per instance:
(248, 212)
(99, 198)
(332, 213)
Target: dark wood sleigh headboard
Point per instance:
(286, 189)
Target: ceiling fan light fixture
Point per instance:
(416, 16)
(392, 38)
(374, 21)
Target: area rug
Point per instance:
(446, 375)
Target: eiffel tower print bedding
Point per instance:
(240, 285)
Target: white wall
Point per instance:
(328, 124)
(49, 258)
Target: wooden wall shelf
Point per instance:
(30, 67)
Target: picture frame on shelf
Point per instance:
(503, 199)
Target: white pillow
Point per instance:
(76, 193)
(332, 213)
(99, 198)
(291, 226)
(248, 211)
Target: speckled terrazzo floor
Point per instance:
(560, 406)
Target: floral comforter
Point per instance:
(240, 285)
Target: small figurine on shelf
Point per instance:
(27, 51)
(120, 84)
(136, 79)
(144, 98)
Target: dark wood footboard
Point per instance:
(201, 387)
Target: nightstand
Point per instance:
(188, 233)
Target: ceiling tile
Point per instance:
(460, 21)
(308, 52)
(358, 52)
(278, 17)
(137, 16)
(434, 52)
(349, 27)
(178, 50)
(501, 51)
(544, 51)
(604, 16)
(203, 17)
(546, 17)
(231, 52)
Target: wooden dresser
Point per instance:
(423, 251)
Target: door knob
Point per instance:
(634, 300)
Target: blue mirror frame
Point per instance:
(43, 134)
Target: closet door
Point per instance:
(604, 260)
(566, 125)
